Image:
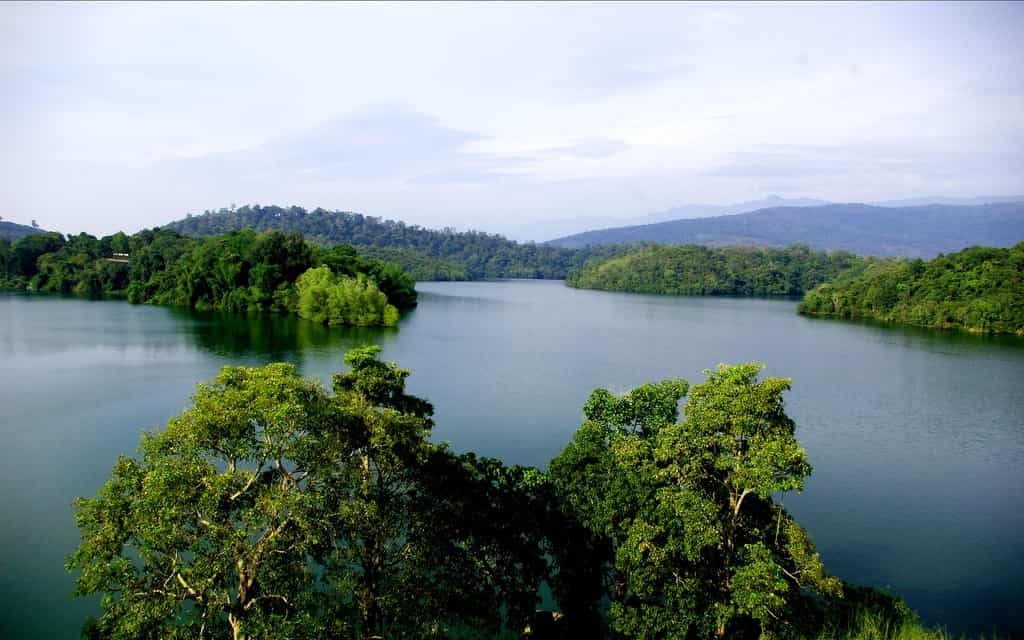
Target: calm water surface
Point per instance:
(917, 437)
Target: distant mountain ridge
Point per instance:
(912, 231)
(566, 227)
(714, 210)
(13, 231)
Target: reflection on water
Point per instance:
(276, 337)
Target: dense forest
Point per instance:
(979, 289)
(699, 270)
(238, 271)
(480, 255)
(272, 508)
(921, 231)
(420, 266)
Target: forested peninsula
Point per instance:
(699, 270)
(427, 254)
(237, 271)
(273, 508)
(980, 289)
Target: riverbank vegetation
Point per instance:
(699, 270)
(238, 271)
(273, 508)
(980, 289)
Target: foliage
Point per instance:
(478, 255)
(419, 265)
(239, 271)
(698, 546)
(271, 508)
(222, 511)
(699, 270)
(330, 299)
(979, 289)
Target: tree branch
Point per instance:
(795, 578)
(192, 592)
(739, 502)
(266, 597)
(252, 480)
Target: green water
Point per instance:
(917, 437)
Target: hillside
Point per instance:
(698, 270)
(922, 231)
(481, 255)
(980, 289)
(12, 231)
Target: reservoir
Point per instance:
(916, 436)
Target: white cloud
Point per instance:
(511, 116)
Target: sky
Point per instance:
(524, 119)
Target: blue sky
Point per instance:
(523, 119)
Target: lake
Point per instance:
(916, 436)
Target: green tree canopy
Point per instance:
(271, 508)
(980, 289)
(697, 546)
(239, 271)
(698, 270)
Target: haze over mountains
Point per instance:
(912, 231)
(562, 227)
(13, 231)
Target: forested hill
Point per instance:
(12, 231)
(480, 255)
(980, 289)
(698, 270)
(922, 231)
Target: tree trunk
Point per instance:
(236, 627)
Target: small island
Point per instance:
(237, 271)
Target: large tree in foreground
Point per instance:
(212, 529)
(699, 547)
(273, 509)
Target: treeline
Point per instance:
(420, 266)
(980, 289)
(699, 270)
(272, 508)
(238, 271)
(480, 255)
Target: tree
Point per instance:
(699, 547)
(605, 481)
(35, 225)
(329, 299)
(271, 508)
(28, 250)
(214, 527)
(243, 514)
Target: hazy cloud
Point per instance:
(595, 148)
(505, 117)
